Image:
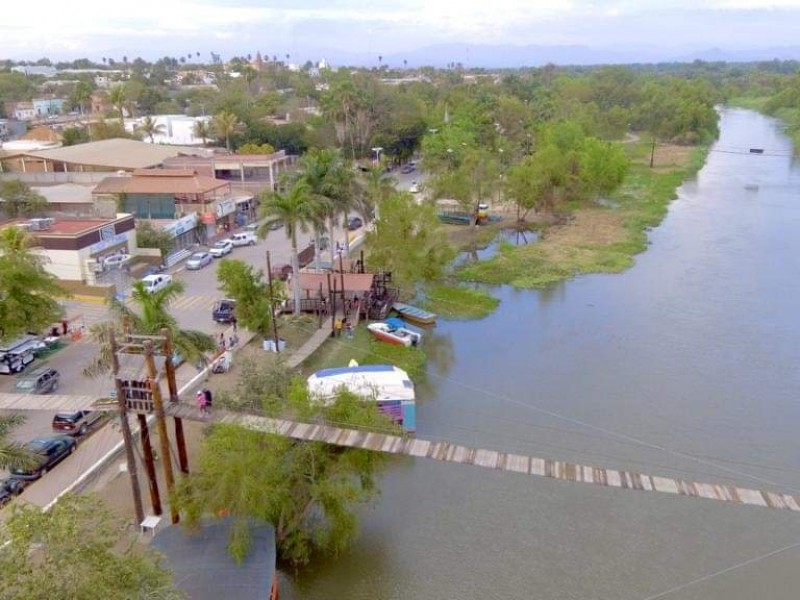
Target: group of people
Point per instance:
(345, 325)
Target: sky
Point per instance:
(307, 29)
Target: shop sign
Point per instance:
(182, 225)
(225, 207)
(116, 240)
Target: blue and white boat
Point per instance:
(387, 385)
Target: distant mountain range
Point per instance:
(510, 56)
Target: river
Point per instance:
(694, 350)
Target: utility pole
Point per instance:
(180, 439)
(653, 152)
(272, 304)
(149, 464)
(161, 423)
(127, 437)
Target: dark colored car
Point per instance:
(407, 169)
(75, 423)
(223, 311)
(10, 488)
(39, 381)
(354, 223)
(48, 452)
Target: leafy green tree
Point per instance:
(150, 127)
(251, 148)
(409, 242)
(81, 96)
(298, 210)
(74, 551)
(374, 186)
(148, 236)
(309, 491)
(28, 293)
(17, 199)
(225, 125)
(247, 287)
(603, 167)
(74, 135)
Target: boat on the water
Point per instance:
(393, 331)
(387, 385)
(414, 314)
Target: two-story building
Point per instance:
(44, 107)
(171, 194)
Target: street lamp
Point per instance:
(377, 150)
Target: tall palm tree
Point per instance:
(296, 209)
(149, 316)
(201, 130)
(374, 186)
(150, 127)
(225, 124)
(118, 98)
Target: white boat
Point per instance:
(387, 385)
(394, 333)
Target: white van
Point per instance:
(244, 238)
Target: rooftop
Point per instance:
(353, 282)
(203, 568)
(116, 153)
(75, 226)
(161, 181)
(66, 193)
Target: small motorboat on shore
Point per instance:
(414, 314)
(392, 331)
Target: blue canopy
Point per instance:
(395, 322)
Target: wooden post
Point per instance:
(653, 152)
(333, 306)
(149, 464)
(127, 437)
(172, 383)
(272, 304)
(161, 423)
(319, 325)
(361, 263)
(341, 276)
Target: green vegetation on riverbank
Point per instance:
(597, 239)
(459, 302)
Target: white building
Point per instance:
(177, 129)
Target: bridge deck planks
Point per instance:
(492, 459)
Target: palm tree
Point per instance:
(225, 124)
(150, 127)
(12, 454)
(152, 315)
(201, 130)
(374, 187)
(118, 99)
(296, 209)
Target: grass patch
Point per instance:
(598, 239)
(366, 350)
(459, 302)
(752, 102)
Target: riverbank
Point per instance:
(790, 117)
(598, 237)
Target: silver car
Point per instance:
(198, 260)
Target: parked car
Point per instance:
(407, 169)
(223, 311)
(275, 225)
(39, 381)
(198, 260)
(75, 423)
(153, 283)
(354, 223)
(10, 488)
(221, 248)
(244, 238)
(115, 260)
(48, 452)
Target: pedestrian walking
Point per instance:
(209, 397)
(234, 322)
(337, 327)
(348, 328)
(202, 403)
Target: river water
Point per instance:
(694, 350)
